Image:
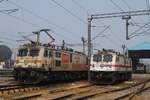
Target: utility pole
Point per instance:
(126, 18)
(89, 38)
(89, 46)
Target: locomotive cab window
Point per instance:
(22, 52)
(97, 58)
(107, 58)
(34, 52)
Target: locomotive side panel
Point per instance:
(79, 62)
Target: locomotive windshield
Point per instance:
(107, 58)
(97, 58)
(34, 52)
(23, 52)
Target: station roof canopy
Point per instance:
(141, 46)
(141, 50)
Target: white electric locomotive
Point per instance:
(36, 62)
(41, 63)
(109, 67)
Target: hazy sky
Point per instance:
(70, 23)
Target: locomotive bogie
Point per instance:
(109, 77)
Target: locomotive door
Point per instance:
(57, 60)
(49, 59)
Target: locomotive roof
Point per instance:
(57, 48)
(110, 52)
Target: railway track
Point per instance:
(131, 94)
(8, 91)
(125, 93)
(75, 91)
(19, 92)
(93, 92)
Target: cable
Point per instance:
(147, 4)
(134, 24)
(80, 6)
(138, 29)
(119, 7)
(9, 39)
(116, 43)
(25, 21)
(68, 11)
(1, 1)
(41, 18)
(116, 5)
(5, 42)
(126, 4)
(144, 33)
(114, 35)
(18, 18)
(131, 19)
(100, 33)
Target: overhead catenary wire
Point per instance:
(23, 20)
(143, 32)
(139, 29)
(1, 1)
(115, 4)
(114, 35)
(68, 11)
(80, 6)
(147, 5)
(43, 19)
(100, 33)
(6, 42)
(127, 4)
(8, 39)
(131, 19)
(112, 41)
(130, 8)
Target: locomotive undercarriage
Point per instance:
(31, 75)
(98, 77)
